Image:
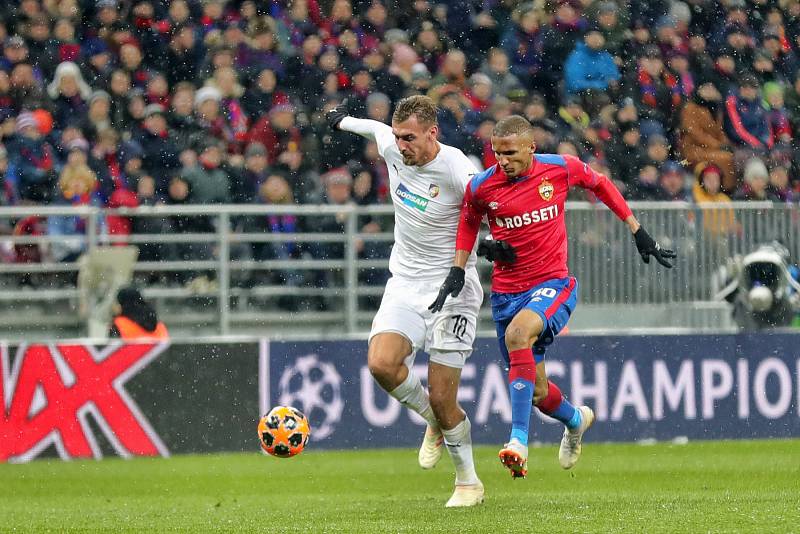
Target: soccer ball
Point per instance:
(283, 432)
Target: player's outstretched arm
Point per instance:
(581, 174)
(647, 246)
(339, 118)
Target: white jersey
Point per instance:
(427, 203)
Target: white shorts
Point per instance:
(446, 336)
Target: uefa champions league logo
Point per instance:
(314, 387)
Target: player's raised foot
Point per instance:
(470, 495)
(431, 449)
(570, 449)
(514, 455)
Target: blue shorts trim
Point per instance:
(553, 300)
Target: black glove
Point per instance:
(335, 116)
(497, 250)
(452, 285)
(647, 247)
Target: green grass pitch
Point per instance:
(747, 486)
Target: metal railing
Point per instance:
(330, 283)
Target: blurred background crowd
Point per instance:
(143, 102)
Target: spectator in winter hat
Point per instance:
(673, 181)
(756, 178)
(707, 186)
(780, 187)
(69, 93)
(338, 186)
(202, 98)
(34, 160)
(777, 115)
(97, 65)
(209, 114)
(657, 150)
(98, 116)
(44, 121)
(80, 146)
(209, 183)
(717, 221)
(255, 173)
(15, 51)
(479, 93)
(160, 151)
(420, 78)
(134, 318)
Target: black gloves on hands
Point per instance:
(647, 247)
(452, 285)
(497, 250)
(335, 116)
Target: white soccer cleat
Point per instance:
(430, 452)
(514, 455)
(470, 495)
(570, 449)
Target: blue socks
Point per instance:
(521, 379)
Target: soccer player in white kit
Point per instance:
(427, 181)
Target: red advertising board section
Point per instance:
(74, 400)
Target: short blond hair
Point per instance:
(512, 125)
(420, 105)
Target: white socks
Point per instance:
(412, 395)
(458, 441)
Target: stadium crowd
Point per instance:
(142, 102)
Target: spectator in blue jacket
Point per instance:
(590, 70)
(746, 119)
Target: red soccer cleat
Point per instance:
(514, 457)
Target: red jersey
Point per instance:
(528, 213)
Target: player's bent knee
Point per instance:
(382, 367)
(518, 338)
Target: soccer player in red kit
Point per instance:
(533, 295)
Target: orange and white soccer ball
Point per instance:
(283, 432)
